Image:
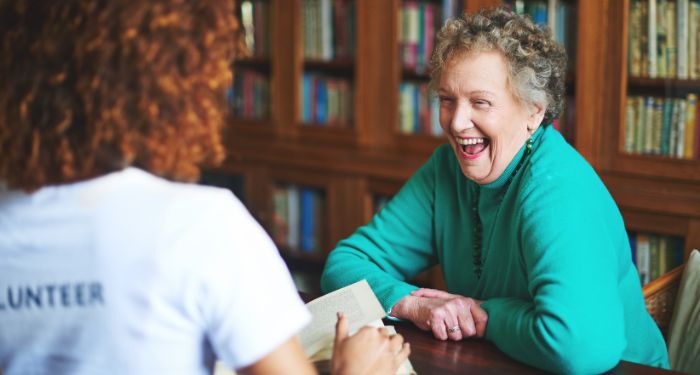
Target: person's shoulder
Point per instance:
(556, 160)
(188, 196)
(557, 168)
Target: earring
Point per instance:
(528, 147)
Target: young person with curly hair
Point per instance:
(107, 264)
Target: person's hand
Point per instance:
(448, 316)
(369, 351)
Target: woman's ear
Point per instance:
(536, 116)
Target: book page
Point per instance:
(356, 301)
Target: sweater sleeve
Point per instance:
(396, 245)
(574, 321)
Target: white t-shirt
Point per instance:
(129, 273)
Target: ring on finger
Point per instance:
(453, 329)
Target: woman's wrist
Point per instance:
(403, 308)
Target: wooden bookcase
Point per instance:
(371, 157)
(656, 194)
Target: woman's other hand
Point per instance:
(369, 351)
(448, 316)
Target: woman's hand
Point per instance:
(449, 316)
(369, 351)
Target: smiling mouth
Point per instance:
(472, 147)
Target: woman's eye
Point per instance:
(445, 99)
(482, 103)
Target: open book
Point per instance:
(360, 306)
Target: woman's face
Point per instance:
(484, 122)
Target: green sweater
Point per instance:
(561, 291)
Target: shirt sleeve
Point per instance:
(249, 303)
(574, 322)
(396, 245)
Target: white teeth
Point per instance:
(469, 141)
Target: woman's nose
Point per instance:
(462, 119)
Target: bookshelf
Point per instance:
(370, 156)
(657, 193)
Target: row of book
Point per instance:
(326, 100)
(419, 22)
(329, 29)
(249, 97)
(663, 39)
(297, 218)
(419, 109)
(255, 19)
(654, 255)
(662, 126)
(558, 15)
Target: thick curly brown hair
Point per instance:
(88, 87)
(536, 63)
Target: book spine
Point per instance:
(339, 29)
(690, 123)
(639, 128)
(666, 127)
(673, 138)
(643, 257)
(680, 145)
(671, 39)
(552, 15)
(682, 15)
(630, 121)
(657, 125)
(634, 41)
(693, 30)
(280, 215)
(326, 12)
(318, 210)
(429, 34)
(306, 26)
(651, 39)
(306, 220)
(404, 108)
(664, 264)
(648, 131)
(643, 36)
(413, 34)
(293, 217)
(653, 257)
(661, 38)
(420, 45)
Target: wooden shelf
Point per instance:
(326, 135)
(342, 67)
(671, 84)
(261, 64)
(661, 165)
(412, 75)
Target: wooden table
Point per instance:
(476, 356)
(471, 356)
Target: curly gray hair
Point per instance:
(536, 63)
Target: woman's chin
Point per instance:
(475, 175)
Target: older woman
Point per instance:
(107, 264)
(533, 248)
